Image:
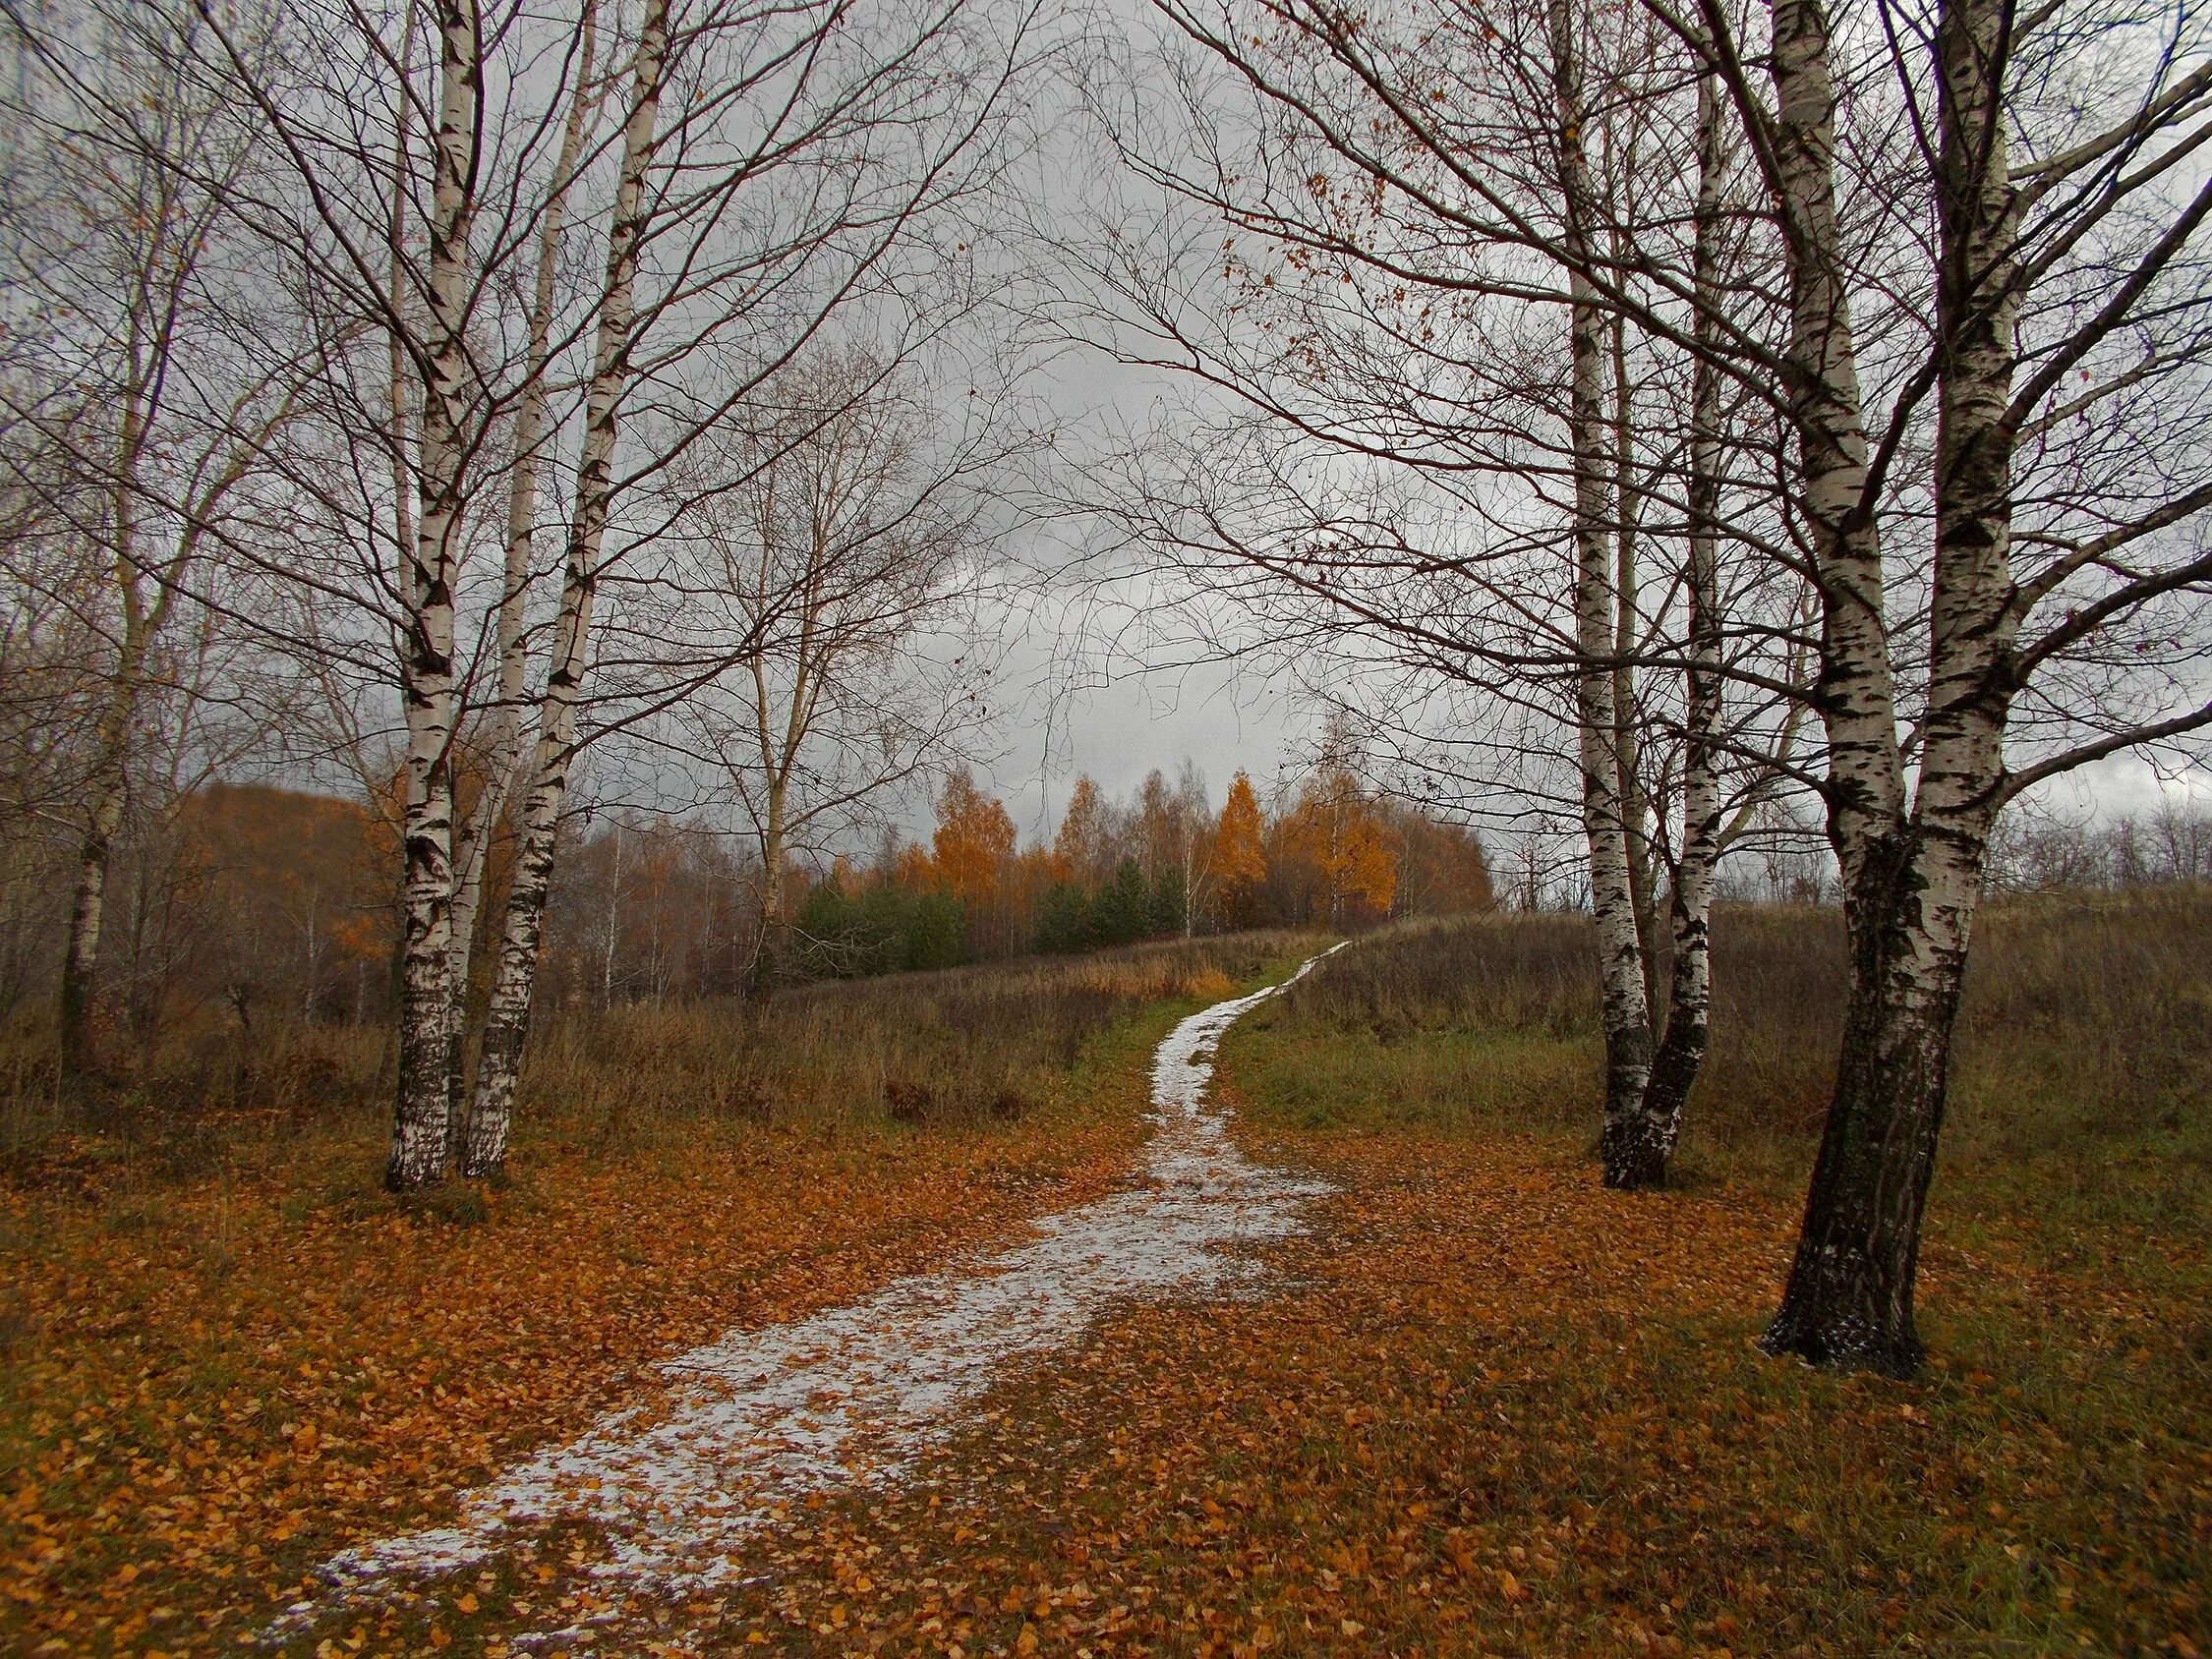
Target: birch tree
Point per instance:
(2060, 596)
(765, 169)
(814, 167)
(150, 375)
(492, 1102)
(1451, 403)
(1996, 471)
(1682, 1048)
(842, 526)
(1602, 687)
(503, 749)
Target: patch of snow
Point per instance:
(763, 1419)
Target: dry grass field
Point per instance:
(1496, 1411)
(1482, 1408)
(229, 1353)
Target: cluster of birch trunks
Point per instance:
(1662, 407)
(1746, 401)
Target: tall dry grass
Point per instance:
(963, 1046)
(992, 1042)
(2083, 1048)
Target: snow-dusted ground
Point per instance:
(763, 1419)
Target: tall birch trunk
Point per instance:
(1628, 765)
(507, 1022)
(504, 760)
(109, 791)
(1911, 887)
(418, 1124)
(772, 960)
(1856, 688)
(109, 781)
(1613, 901)
(1682, 1049)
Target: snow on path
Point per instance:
(761, 1419)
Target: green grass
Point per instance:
(2042, 1489)
(2078, 1078)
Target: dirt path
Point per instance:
(763, 1419)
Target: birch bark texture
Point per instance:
(503, 752)
(1600, 722)
(428, 576)
(1682, 1049)
(506, 1023)
(1911, 883)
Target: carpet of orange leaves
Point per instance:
(1486, 1408)
(209, 1403)
(1496, 1411)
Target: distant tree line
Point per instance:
(1163, 862)
(243, 904)
(2041, 854)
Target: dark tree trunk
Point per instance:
(1628, 1155)
(1914, 882)
(1674, 1068)
(1850, 1300)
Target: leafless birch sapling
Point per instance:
(841, 522)
(146, 373)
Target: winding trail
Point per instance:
(763, 1419)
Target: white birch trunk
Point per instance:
(506, 1023)
(771, 961)
(109, 782)
(1628, 767)
(504, 761)
(109, 786)
(1857, 687)
(1620, 958)
(1682, 1050)
(429, 568)
(1911, 887)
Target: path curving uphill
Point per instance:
(763, 1419)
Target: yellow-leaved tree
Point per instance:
(1240, 851)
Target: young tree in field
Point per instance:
(1649, 1145)
(1240, 846)
(841, 527)
(1194, 821)
(1604, 687)
(150, 376)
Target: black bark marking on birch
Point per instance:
(1850, 1299)
(1912, 889)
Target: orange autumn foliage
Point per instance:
(974, 839)
(1240, 853)
(1337, 835)
(1078, 850)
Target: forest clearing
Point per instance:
(1124, 827)
(1442, 1422)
